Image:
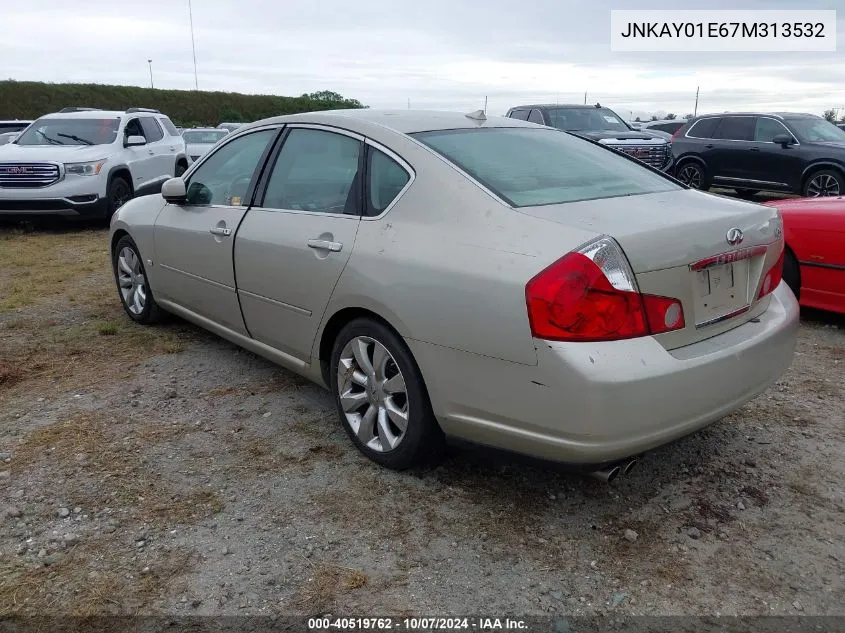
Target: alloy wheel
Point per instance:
(119, 196)
(823, 185)
(131, 280)
(691, 175)
(373, 394)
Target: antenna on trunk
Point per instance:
(478, 115)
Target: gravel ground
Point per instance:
(165, 471)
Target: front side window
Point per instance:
(152, 130)
(814, 130)
(385, 179)
(767, 129)
(316, 171)
(586, 119)
(71, 132)
(530, 167)
(736, 128)
(224, 177)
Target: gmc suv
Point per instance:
(88, 162)
(602, 125)
(751, 152)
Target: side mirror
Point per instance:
(173, 191)
(134, 141)
(783, 140)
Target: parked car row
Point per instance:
(88, 162)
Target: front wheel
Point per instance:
(119, 193)
(381, 398)
(132, 285)
(692, 174)
(825, 182)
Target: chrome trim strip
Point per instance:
(822, 265)
(759, 182)
(724, 317)
(216, 284)
(273, 302)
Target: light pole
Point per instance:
(193, 46)
(150, 63)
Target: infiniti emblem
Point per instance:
(734, 236)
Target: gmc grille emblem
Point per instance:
(18, 170)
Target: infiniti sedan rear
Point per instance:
(487, 279)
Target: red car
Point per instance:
(814, 263)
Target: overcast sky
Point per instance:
(444, 54)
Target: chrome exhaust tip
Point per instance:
(629, 466)
(606, 475)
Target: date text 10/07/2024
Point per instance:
(416, 624)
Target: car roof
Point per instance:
(777, 115)
(203, 129)
(97, 114)
(559, 105)
(400, 121)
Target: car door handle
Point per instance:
(709, 146)
(753, 149)
(220, 230)
(325, 245)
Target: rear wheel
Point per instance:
(692, 174)
(381, 398)
(792, 273)
(825, 182)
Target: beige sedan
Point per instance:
(457, 275)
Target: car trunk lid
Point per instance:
(709, 252)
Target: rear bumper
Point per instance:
(593, 403)
(88, 206)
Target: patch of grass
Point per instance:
(112, 473)
(107, 329)
(319, 592)
(91, 580)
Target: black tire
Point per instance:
(118, 194)
(181, 168)
(747, 194)
(151, 312)
(423, 439)
(824, 182)
(693, 174)
(792, 273)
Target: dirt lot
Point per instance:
(162, 470)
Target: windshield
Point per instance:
(813, 130)
(586, 119)
(203, 137)
(70, 132)
(530, 167)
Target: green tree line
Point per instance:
(187, 108)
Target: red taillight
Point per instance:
(772, 278)
(574, 300)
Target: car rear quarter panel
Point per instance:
(448, 263)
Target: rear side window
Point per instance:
(168, 125)
(531, 167)
(385, 180)
(536, 117)
(736, 128)
(152, 130)
(767, 129)
(703, 128)
(671, 128)
(522, 115)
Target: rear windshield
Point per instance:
(531, 167)
(70, 132)
(203, 137)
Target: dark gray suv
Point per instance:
(602, 125)
(751, 152)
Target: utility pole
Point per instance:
(695, 112)
(485, 104)
(193, 45)
(585, 97)
(150, 63)
(409, 103)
